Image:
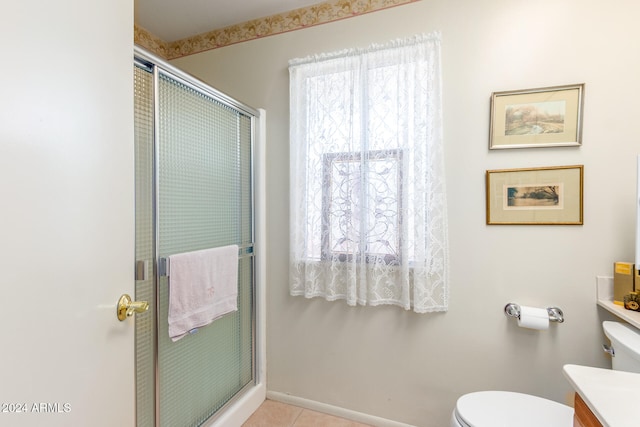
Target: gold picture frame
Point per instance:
(542, 117)
(535, 196)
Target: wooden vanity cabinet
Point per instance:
(583, 417)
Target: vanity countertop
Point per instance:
(612, 396)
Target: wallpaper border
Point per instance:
(298, 19)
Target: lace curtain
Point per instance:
(368, 208)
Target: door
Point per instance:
(66, 215)
(194, 191)
(204, 201)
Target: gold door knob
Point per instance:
(126, 307)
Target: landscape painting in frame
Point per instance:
(529, 197)
(544, 195)
(544, 117)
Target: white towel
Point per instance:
(203, 286)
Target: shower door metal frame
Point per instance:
(157, 67)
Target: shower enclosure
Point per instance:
(195, 189)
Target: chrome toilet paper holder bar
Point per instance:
(555, 313)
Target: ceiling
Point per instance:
(172, 20)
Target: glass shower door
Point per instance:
(204, 201)
(194, 190)
(145, 244)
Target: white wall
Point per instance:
(408, 367)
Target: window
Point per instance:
(368, 205)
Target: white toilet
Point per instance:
(508, 409)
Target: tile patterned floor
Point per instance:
(278, 414)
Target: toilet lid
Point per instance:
(508, 409)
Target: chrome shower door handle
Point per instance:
(126, 307)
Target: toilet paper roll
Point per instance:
(533, 318)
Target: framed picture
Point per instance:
(544, 117)
(544, 196)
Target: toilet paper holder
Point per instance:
(555, 313)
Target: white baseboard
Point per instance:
(333, 410)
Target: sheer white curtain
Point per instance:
(368, 206)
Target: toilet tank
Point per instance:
(625, 340)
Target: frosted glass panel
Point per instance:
(145, 290)
(204, 201)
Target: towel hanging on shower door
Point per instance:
(203, 286)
